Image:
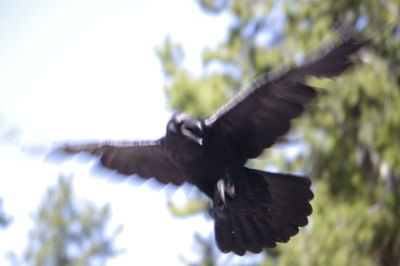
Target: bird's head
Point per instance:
(182, 124)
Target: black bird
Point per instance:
(252, 209)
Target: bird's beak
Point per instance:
(195, 138)
(194, 131)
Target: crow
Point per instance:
(252, 209)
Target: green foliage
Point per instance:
(210, 90)
(206, 251)
(348, 141)
(68, 232)
(192, 206)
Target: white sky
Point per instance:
(86, 69)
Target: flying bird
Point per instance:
(252, 209)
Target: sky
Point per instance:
(87, 70)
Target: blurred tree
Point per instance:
(5, 133)
(348, 141)
(4, 219)
(206, 251)
(68, 232)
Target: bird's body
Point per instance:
(202, 165)
(243, 202)
(252, 209)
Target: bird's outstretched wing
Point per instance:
(254, 119)
(144, 158)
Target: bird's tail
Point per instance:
(266, 209)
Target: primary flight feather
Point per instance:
(252, 209)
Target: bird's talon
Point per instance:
(221, 189)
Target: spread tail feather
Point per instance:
(267, 209)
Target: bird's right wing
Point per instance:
(147, 159)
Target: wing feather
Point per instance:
(147, 159)
(257, 116)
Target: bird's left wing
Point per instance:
(147, 159)
(254, 119)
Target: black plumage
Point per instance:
(252, 209)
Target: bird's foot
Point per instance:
(225, 187)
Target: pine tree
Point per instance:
(68, 232)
